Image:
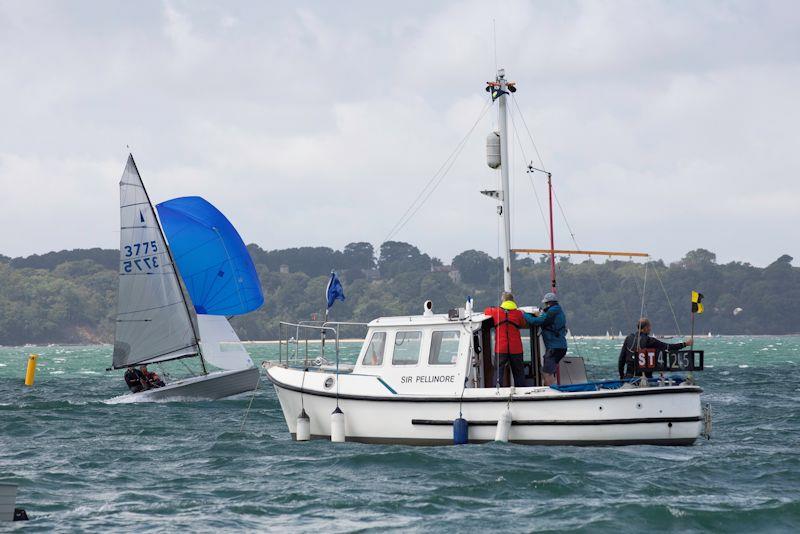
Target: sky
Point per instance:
(668, 126)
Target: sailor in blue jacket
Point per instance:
(553, 323)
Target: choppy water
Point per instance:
(86, 465)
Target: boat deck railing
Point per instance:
(294, 340)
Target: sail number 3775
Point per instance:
(140, 256)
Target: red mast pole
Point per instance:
(552, 239)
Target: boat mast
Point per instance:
(501, 90)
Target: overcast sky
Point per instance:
(667, 126)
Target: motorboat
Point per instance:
(428, 379)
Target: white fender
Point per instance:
(503, 426)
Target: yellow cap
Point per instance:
(509, 305)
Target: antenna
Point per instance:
(494, 39)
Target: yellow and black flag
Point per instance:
(697, 302)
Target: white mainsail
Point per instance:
(155, 322)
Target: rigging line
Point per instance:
(533, 186)
(641, 312)
(535, 148)
(564, 216)
(671, 309)
(432, 190)
(449, 165)
(249, 404)
(596, 276)
(187, 367)
(530, 176)
(544, 167)
(433, 178)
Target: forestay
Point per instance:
(211, 256)
(154, 322)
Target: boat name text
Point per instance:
(427, 379)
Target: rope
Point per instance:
(187, 367)
(535, 148)
(249, 404)
(535, 193)
(530, 177)
(437, 178)
(641, 312)
(558, 202)
(671, 309)
(564, 216)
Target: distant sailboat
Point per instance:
(156, 321)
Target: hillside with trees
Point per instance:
(70, 296)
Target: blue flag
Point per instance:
(334, 291)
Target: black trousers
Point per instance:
(517, 369)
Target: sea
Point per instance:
(85, 465)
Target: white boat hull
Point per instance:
(665, 415)
(212, 386)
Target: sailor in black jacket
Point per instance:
(641, 339)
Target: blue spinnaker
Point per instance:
(211, 256)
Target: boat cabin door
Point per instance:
(533, 357)
(486, 360)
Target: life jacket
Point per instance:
(554, 334)
(154, 380)
(507, 339)
(133, 379)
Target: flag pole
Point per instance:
(691, 338)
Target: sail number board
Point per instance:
(669, 361)
(140, 257)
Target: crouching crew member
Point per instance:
(136, 380)
(641, 339)
(553, 323)
(153, 380)
(507, 340)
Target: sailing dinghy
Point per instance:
(156, 319)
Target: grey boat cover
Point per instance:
(154, 322)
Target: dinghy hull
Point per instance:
(212, 386)
(665, 415)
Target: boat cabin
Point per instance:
(423, 354)
(441, 352)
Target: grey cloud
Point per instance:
(667, 125)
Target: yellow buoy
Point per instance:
(30, 373)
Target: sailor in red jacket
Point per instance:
(507, 340)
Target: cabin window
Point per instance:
(406, 348)
(375, 349)
(444, 348)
